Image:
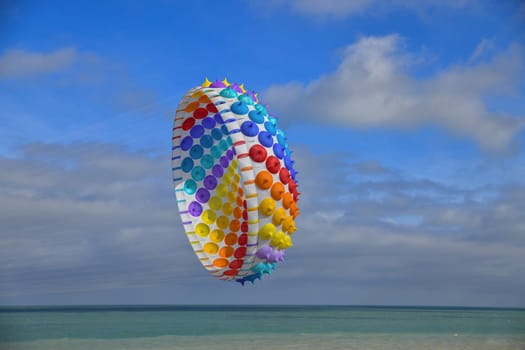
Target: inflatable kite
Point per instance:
(234, 181)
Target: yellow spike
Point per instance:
(256, 97)
(206, 83)
(226, 82)
(242, 88)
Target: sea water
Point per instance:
(260, 327)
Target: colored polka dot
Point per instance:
(216, 152)
(258, 153)
(210, 182)
(190, 186)
(231, 272)
(222, 222)
(227, 208)
(265, 138)
(277, 191)
(243, 239)
(215, 203)
(198, 173)
(256, 117)
(196, 151)
(206, 141)
(209, 123)
(188, 124)
(211, 108)
(221, 190)
(195, 209)
(240, 252)
(239, 108)
(216, 134)
(246, 99)
(207, 161)
(197, 131)
(284, 175)
(278, 150)
(202, 229)
(210, 248)
(236, 264)
(203, 196)
(273, 164)
(192, 106)
(217, 236)
(186, 143)
(270, 128)
(224, 161)
(218, 118)
(223, 145)
(220, 262)
(217, 171)
(237, 213)
(187, 164)
(249, 128)
(230, 239)
(264, 179)
(235, 225)
(209, 216)
(224, 130)
(200, 113)
(260, 108)
(226, 252)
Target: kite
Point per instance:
(234, 181)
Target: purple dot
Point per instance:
(208, 123)
(202, 195)
(186, 143)
(217, 171)
(195, 209)
(210, 182)
(197, 131)
(224, 161)
(229, 154)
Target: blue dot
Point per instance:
(249, 128)
(186, 143)
(216, 134)
(196, 151)
(256, 116)
(245, 99)
(209, 123)
(278, 150)
(261, 109)
(198, 173)
(225, 130)
(266, 139)
(239, 108)
(197, 131)
(216, 152)
(218, 118)
(206, 141)
(187, 164)
(223, 145)
(270, 127)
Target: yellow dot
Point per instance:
(202, 229)
(277, 239)
(217, 236)
(227, 208)
(208, 216)
(215, 203)
(267, 206)
(235, 163)
(278, 216)
(267, 231)
(221, 190)
(234, 187)
(211, 248)
(236, 178)
(222, 222)
(232, 196)
(289, 224)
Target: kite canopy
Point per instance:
(234, 181)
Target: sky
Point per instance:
(406, 119)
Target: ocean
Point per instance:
(260, 327)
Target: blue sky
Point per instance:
(406, 119)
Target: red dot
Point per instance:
(245, 214)
(211, 107)
(243, 239)
(200, 113)
(236, 264)
(244, 226)
(188, 124)
(273, 164)
(284, 175)
(231, 272)
(258, 153)
(240, 252)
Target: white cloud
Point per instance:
(372, 87)
(16, 63)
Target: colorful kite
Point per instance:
(234, 181)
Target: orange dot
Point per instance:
(230, 239)
(240, 191)
(192, 106)
(239, 201)
(204, 99)
(226, 252)
(264, 179)
(237, 212)
(231, 272)
(277, 191)
(287, 200)
(220, 262)
(235, 225)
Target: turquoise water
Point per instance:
(261, 327)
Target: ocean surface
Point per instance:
(260, 327)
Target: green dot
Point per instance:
(198, 173)
(190, 186)
(207, 161)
